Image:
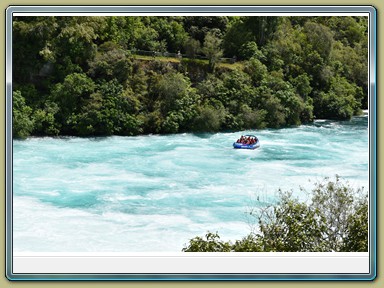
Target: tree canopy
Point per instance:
(76, 75)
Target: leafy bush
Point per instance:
(23, 122)
(211, 48)
(209, 119)
(211, 244)
(249, 50)
(336, 219)
(342, 101)
(110, 63)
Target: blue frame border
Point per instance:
(196, 9)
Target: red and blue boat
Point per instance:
(243, 144)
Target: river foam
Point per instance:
(153, 193)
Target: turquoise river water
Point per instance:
(153, 193)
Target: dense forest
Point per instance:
(98, 76)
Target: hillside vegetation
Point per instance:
(89, 76)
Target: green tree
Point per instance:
(110, 63)
(192, 47)
(351, 63)
(149, 39)
(356, 238)
(109, 110)
(288, 46)
(211, 243)
(335, 219)
(171, 31)
(256, 70)
(171, 87)
(342, 101)
(71, 96)
(236, 36)
(249, 50)
(32, 46)
(22, 121)
(320, 37)
(249, 243)
(278, 98)
(262, 28)
(211, 49)
(238, 90)
(323, 224)
(302, 85)
(209, 119)
(211, 88)
(349, 30)
(292, 226)
(75, 40)
(243, 30)
(182, 117)
(336, 201)
(45, 122)
(198, 26)
(251, 119)
(275, 112)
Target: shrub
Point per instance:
(336, 219)
(23, 123)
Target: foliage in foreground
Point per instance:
(335, 219)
